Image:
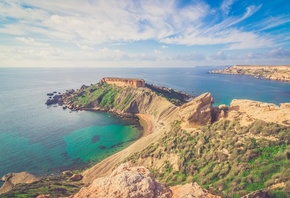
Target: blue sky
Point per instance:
(143, 33)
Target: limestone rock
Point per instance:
(191, 190)
(125, 181)
(12, 179)
(249, 110)
(198, 111)
(76, 177)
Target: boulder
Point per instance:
(76, 177)
(125, 181)
(12, 179)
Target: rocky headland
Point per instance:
(279, 73)
(194, 148)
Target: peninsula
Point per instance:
(190, 148)
(280, 73)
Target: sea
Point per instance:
(47, 140)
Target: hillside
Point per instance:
(280, 73)
(229, 150)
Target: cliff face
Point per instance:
(197, 112)
(131, 82)
(280, 73)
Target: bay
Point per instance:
(44, 140)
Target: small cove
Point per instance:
(44, 140)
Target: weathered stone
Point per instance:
(12, 179)
(191, 190)
(76, 177)
(199, 111)
(67, 173)
(132, 82)
(125, 181)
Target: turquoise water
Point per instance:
(44, 140)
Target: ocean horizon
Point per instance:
(44, 140)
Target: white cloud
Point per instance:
(92, 30)
(31, 41)
(226, 6)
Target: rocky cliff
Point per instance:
(131, 82)
(280, 73)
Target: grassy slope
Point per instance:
(112, 97)
(220, 157)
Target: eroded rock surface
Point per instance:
(125, 181)
(199, 111)
(12, 179)
(191, 190)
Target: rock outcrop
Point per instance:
(125, 181)
(12, 179)
(197, 112)
(248, 110)
(191, 190)
(137, 182)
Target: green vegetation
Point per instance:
(56, 186)
(175, 97)
(103, 95)
(226, 158)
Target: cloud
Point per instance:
(280, 53)
(226, 6)
(31, 41)
(219, 56)
(95, 30)
(273, 54)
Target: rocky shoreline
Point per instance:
(185, 143)
(277, 73)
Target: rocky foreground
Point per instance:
(279, 73)
(194, 148)
(135, 182)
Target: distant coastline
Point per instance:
(274, 72)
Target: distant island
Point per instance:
(279, 73)
(189, 148)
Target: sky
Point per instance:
(143, 33)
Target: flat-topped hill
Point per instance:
(277, 72)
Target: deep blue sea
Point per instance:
(44, 140)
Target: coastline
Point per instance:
(147, 124)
